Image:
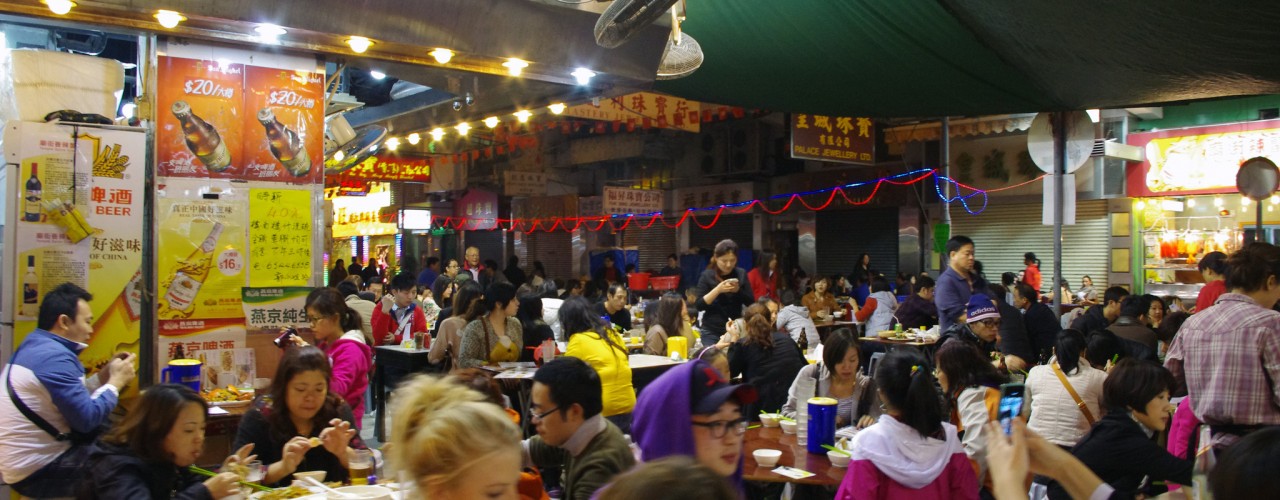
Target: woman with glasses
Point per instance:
(910, 452)
(693, 411)
(338, 334)
(446, 284)
(972, 389)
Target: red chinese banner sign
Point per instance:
(390, 168)
(646, 108)
(1199, 160)
(844, 139)
(479, 209)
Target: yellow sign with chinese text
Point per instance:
(660, 110)
(279, 237)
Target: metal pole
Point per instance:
(946, 186)
(1059, 121)
(1257, 233)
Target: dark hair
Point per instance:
(482, 382)
(327, 301)
(1114, 294)
(673, 256)
(1027, 292)
(513, 261)
(1008, 278)
(491, 265)
(762, 263)
(538, 269)
(144, 428)
(1170, 325)
(614, 288)
(759, 330)
(1133, 383)
(1135, 305)
(837, 346)
(571, 381)
(468, 300)
(906, 384)
(1103, 346)
(1067, 347)
(1247, 468)
(347, 288)
(1031, 256)
(924, 282)
(956, 243)
(298, 360)
(573, 284)
(1214, 261)
(676, 477)
(402, 281)
(577, 316)
(965, 366)
(339, 264)
(667, 312)
(62, 300)
(879, 284)
(1152, 299)
(432, 261)
(530, 311)
(1249, 268)
(498, 295)
(724, 247)
(997, 292)
(355, 279)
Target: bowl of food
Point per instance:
(838, 458)
(766, 457)
(788, 426)
(837, 314)
(362, 492)
(769, 419)
(886, 334)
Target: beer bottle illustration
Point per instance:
(202, 139)
(30, 290)
(285, 144)
(31, 213)
(189, 277)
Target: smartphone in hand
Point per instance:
(1012, 397)
(286, 338)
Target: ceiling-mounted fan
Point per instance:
(345, 146)
(682, 55)
(625, 18)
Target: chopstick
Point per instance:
(837, 450)
(208, 473)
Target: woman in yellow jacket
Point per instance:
(591, 339)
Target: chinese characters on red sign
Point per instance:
(391, 168)
(844, 139)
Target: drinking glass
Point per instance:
(360, 465)
(255, 471)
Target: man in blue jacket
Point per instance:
(46, 429)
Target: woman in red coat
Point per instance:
(1032, 275)
(764, 278)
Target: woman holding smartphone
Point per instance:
(722, 291)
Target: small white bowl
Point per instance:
(838, 459)
(837, 314)
(767, 457)
(769, 419)
(788, 426)
(363, 492)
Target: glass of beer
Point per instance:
(360, 465)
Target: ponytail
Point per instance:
(1068, 346)
(350, 319)
(907, 385)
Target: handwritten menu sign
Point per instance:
(279, 237)
(846, 139)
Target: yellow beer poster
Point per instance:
(200, 260)
(279, 237)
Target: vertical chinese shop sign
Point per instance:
(108, 173)
(279, 237)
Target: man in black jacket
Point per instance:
(1015, 344)
(1042, 326)
(1131, 327)
(1100, 316)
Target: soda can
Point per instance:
(822, 424)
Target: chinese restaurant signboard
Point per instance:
(619, 200)
(479, 209)
(517, 183)
(658, 110)
(390, 168)
(845, 139)
(1199, 160)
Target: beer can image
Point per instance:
(822, 424)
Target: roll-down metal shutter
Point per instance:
(554, 250)
(1003, 233)
(490, 245)
(843, 235)
(736, 227)
(654, 244)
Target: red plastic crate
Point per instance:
(664, 282)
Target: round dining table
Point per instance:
(793, 455)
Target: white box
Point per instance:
(37, 82)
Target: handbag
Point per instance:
(1072, 391)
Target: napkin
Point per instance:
(793, 472)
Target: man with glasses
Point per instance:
(565, 407)
(981, 326)
(398, 316)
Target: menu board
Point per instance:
(279, 237)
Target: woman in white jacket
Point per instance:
(838, 377)
(1055, 415)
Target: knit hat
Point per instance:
(980, 308)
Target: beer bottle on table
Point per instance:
(285, 144)
(202, 139)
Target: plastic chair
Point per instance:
(875, 361)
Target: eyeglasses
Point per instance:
(990, 323)
(315, 319)
(540, 416)
(719, 428)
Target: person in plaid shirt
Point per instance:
(1228, 357)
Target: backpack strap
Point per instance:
(40, 422)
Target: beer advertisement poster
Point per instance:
(199, 125)
(201, 259)
(283, 125)
(87, 235)
(206, 340)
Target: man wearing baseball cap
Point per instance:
(697, 395)
(981, 326)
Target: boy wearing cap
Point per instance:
(980, 325)
(697, 394)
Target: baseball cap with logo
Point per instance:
(709, 390)
(980, 307)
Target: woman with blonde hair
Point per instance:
(430, 414)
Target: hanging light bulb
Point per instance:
(338, 156)
(60, 7)
(556, 108)
(1191, 202)
(169, 19)
(1140, 204)
(491, 121)
(442, 56)
(437, 134)
(515, 66)
(523, 115)
(377, 75)
(414, 139)
(1244, 201)
(359, 44)
(392, 143)
(463, 128)
(269, 33)
(1275, 200)
(583, 75)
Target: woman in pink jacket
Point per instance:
(338, 334)
(910, 452)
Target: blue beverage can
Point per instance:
(822, 424)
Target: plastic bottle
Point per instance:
(1205, 461)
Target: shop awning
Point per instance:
(961, 127)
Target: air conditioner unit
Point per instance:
(1112, 149)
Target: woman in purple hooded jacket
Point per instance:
(696, 393)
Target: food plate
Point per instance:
(266, 495)
(229, 404)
